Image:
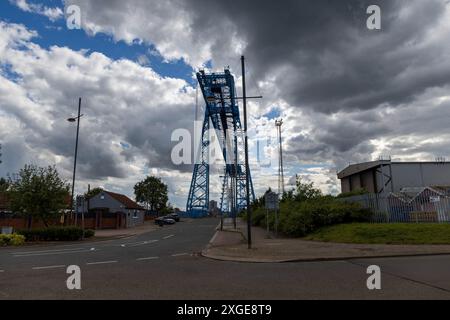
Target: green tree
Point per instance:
(3, 184)
(152, 192)
(38, 193)
(168, 209)
(305, 191)
(93, 193)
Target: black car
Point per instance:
(164, 220)
(174, 216)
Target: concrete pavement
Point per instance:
(231, 245)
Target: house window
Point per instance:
(135, 215)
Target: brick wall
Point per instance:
(22, 223)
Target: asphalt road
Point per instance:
(165, 264)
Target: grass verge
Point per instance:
(385, 233)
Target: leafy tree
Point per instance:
(38, 193)
(288, 195)
(152, 192)
(306, 191)
(3, 184)
(93, 193)
(168, 209)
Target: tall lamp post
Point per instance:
(278, 124)
(77, 119)
(247, 167)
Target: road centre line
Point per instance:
(53, 253)
(44, 251)
(135, 244)
(101, 262)
(49, 267)
(148, 258)
(180, 254)
(169, 236)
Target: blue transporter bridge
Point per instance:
(222, 111)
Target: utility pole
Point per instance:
(76, 151)
(278, 124)
(247, 169)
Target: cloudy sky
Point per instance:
(346, 93)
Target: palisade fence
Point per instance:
(424, 207)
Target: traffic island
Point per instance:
(231, 245)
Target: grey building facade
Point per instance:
(394, 176)
(114, 210)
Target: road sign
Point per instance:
(271, 200)
(435, 199)
(80, 201)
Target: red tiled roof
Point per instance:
(123, 199)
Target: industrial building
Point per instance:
(394, 176)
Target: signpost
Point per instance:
(272, 203)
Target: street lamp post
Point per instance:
(247, 167)
(77, 119)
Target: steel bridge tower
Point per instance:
(222, 111)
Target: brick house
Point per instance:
(110, 210)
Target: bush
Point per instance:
(298, 219)
(55, 234)
(11, 239)
(89, 233)
(356, 192)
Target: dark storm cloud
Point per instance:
(316, 55)
(329, 60)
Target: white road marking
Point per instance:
(49, 267)
(214, 237)
(148, 258)
(180, 254)
(101, 262)
(44, 251)
(52, 253)
(142, 243)
(135, 244)
(169, 236)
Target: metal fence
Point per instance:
(401, 208)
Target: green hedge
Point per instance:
(11, 239)
(298, 219)
(56, 234)
(89, 233)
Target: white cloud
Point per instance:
(122, 102)
(51, 13)
(345, 95)
(169, 25)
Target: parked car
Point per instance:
(164, 220)
(174, 216)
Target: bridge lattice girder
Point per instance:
(222, 110)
